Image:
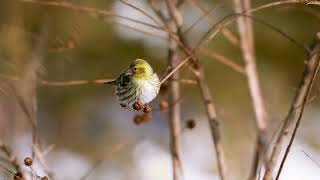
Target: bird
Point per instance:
(137, 86)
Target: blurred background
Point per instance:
(86, 124)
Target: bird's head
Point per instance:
(141, 69)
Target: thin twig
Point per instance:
(149, 33)
(314, 2)
(40, 156)
(12, 159)
(273, 4)
(307, 76)
(196, 22)
(176, 68)
(224, 60)
(90, 10)
(143, 12)
(315, 54)
(100, 161)
(7, 169)
(214, 123)
(217, 27)
(314, 161)
(233, 39)
(156, 9)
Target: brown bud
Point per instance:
(138, 119)
(147, 109)
(191, 124)
(44, 178)
(163, 105)
(18, 176)
(137, 106)
(28, 161)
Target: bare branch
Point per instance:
(156, 8)
(40, 156)
(277, 3)
(174, 24)
(314, 2)
(12, 159)
(248, 52)
(177, 67)
(224, 60)
(143, 12)
(100, 161)
(90, 10)
(314, 55)
(214, 123)
(233, 39)
(307, 76)
(314, 161)
(196, 22)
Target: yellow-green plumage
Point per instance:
(138, 84)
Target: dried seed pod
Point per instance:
(163, 105)
(191, 124)
(147, 109)
(147, 117)
(138, 119)
(137, 106)
(28, 161)
(44, 178)
(18, 176)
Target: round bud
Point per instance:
(28, 161)
(191, 123)
(18, 176)
(137, 106)
(147, 109)
(138, 119)
(163, 105)
(44, 178)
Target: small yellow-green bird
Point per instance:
(138, 84)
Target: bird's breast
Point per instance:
(148, 90)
